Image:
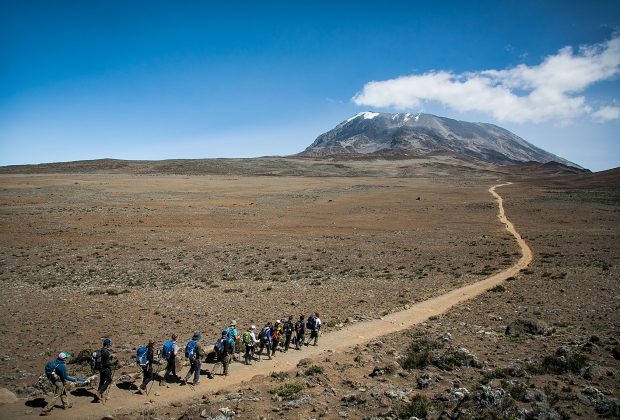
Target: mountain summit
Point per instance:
(407, 134)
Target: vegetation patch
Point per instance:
(418, 407)
(288, 390)
(419, 355)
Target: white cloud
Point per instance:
(548, 91)
(606, 113)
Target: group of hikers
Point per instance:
(272, 337)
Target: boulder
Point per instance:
(7, 397)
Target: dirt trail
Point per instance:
(360, 333)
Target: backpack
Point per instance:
(95, 361)
(311, 324)
(264, 334)
(219, 346)
(247, 338)
(190, 350)
(50, 370)
(166, 351)
(141, 354)
(299, 326)
(276, 334)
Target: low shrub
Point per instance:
(288, 390)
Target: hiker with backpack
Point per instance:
(56, 372)
(104, 362)
(314, 325)
(145, 358)
(300, 330)
(224, 349)
(169, 354)
(265, 340)
(250, 341)
(194, 353)
(288, 329)
(276, 335)
(233, 335)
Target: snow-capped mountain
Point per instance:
(374, 133)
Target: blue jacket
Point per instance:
(61, 371)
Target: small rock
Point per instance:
(7, 397)
(227, 412)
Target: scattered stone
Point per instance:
(227, 412)
(445, 337)
(353, 399)
(7, 397)
(304, 362)
(528, 326)
(304, 399)
(398, 394)
(424, 382)
(457, 394)
(377, 372)
(233, 396)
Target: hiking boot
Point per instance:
(66, 407)
(183, 381)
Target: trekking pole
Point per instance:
(153, 376)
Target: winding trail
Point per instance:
(359, 333)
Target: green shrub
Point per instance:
(288, 390)
(419, 354)
(418, 407)
(560, 365)
(314, 370)
(498, 289)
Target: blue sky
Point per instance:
(195, 79)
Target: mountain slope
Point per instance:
(420, 134)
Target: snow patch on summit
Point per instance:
(367, 115)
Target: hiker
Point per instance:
(249, 339)
(233, 335)
(194, 353)
(314, 325)
(106, 363)
(224, 350)
(145, 359)
(300, 330)
(276, 335)
(169, 354)
(265, 340)
(288, 329)
(56, 372)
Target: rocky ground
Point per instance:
(545, 345)
(86, 256)
(131, 257)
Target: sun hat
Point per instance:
(196, 336)
(224, 333)
(64, 356)
(233, 322)
(107, 342)
(253, 327)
